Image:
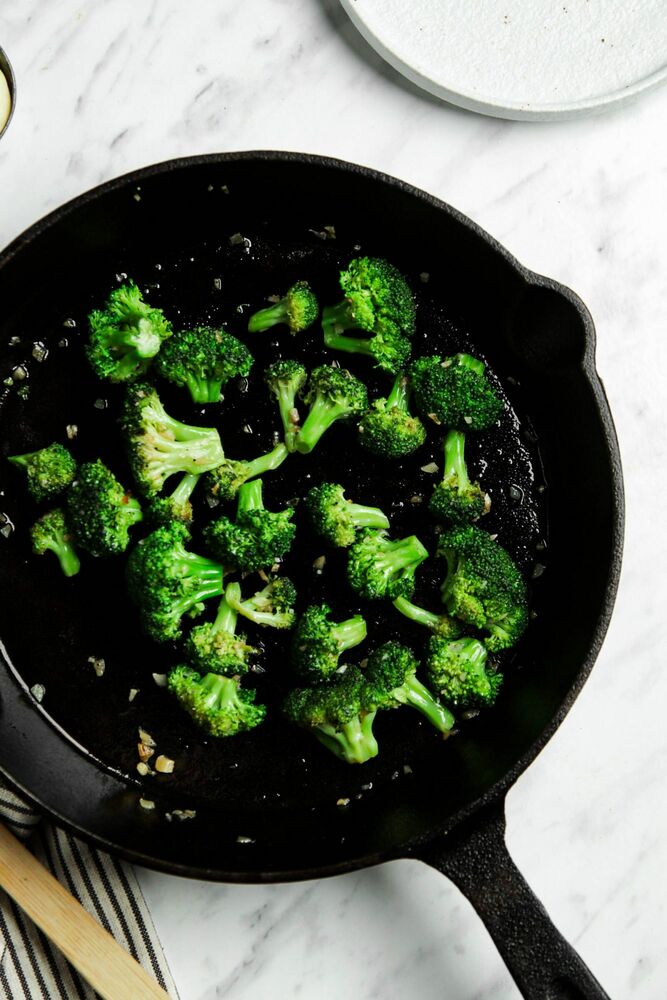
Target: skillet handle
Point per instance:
(543, 964)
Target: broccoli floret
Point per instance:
(455, 392)
(483, 587)
(338, 716)
(159, 446)
(338, 519)
(204, 359)
(455, 499)
(298, 309)
(215, 647)
(100, 511)
(176, 507)
(379, 567)
(258, 538)
(285, 379)
(166, 581)
(458, 671)
(391, 676)
(333, 394)
(219, 705)
(126, 335)
(272, 606)
(442, 625)
(377, 300)
(224, 482)
(49, 470)
(388, 428)
(51, 534)
(319, 642)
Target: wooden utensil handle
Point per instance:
(109, 969)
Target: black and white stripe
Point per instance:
(30, 966)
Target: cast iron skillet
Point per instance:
(447, 809)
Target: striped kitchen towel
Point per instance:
(30, 967)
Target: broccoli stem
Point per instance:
(267, 463)
(219, 691)
(413, 692)
(366, 517)
(322, 415)
(349, 633)
(474, 364)
(184, 490)
(268, 317)
(452, 560)
(455, 463)
(249, 497)
(66, 554)
(226, 618)
(337, 319)
(286, 404)
(204, 390)
(172, 431)
(416, 614)
(354, 742)
(141, 338)
(399, 555)
(399, 395)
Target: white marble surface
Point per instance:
(108, 85)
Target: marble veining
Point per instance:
(105, 87)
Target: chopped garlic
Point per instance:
(431, 468)
(160, 680)
(146, 738)
(133, 694)
(99, 666)
(146, 803)
(145, 752)
(165, 765)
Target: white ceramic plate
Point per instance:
(539, 59)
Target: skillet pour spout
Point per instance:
(537, 337)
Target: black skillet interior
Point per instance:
(266, 803)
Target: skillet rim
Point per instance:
(496, 791)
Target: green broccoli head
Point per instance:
(377, 300)
(483, 586)
(298, 309)
(337, 715)
(456, 392)
(224, 482)
(166, 581)
(126, 335)
(203, 360)
(51, 534)
(216, 647)
(258, 538)
(218, 704)
(337, 519)
(388, 428)
(455, 499)
(459, 672)
(319, 642)
(333, 394)
(100, 511)
(391, 676)
(159, 446)
(272, 606)
(49, 471)
(286, 379)
(380, 568)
